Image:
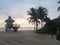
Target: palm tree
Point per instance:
(58, 7)
(58, 17)
(50, 26)
(58, 24)
(33, 18)
(42, 14)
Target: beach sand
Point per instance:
(26, 38)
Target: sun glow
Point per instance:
(22, 22)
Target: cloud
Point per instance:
(22, 22)
(15, 9)
(18, 9)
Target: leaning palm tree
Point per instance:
(59, 6)
(34, 21)
(42, 14)
(33, 18)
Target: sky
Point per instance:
(17, 9)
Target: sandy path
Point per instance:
(26, 38)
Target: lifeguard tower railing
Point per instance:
(14, 27)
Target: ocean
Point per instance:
(21, 28)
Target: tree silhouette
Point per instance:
(59, 6)
(42, 14)
(33, 18)
(36, 15)
(50, 26)
(57, 24)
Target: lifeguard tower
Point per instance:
(9, 26)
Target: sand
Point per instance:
(26, 38)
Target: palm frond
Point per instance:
(58, 1)
(38, 21)
(58, 9)
(30, 19)
(45, 10)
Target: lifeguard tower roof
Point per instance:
(9, 20)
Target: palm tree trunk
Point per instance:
(41, 24)
(57, 31)
(36, 26)
(51, 35)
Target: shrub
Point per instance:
(58, 37)
(42, 31)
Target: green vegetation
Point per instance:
(58, 37)
(37, 16)
(40, 15)
(50, 26)
(33, 17)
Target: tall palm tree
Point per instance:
(58, 24)
(33, 17)
(58, 17)
(42, 14)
